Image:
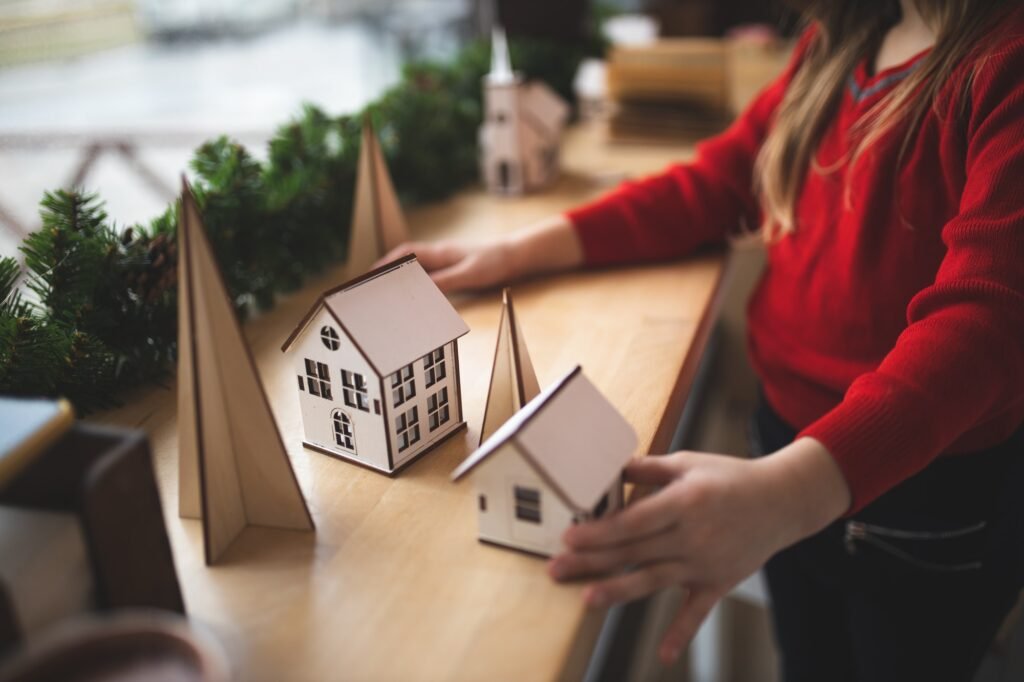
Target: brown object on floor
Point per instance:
(233, 470)
(105, 476)
(130, 647)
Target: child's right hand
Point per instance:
(455, 266)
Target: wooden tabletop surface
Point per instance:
(393, 585)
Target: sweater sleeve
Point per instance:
(670, 214)
(959, 364)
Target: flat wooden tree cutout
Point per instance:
(233, 470)
(378, 224)
(513, 381)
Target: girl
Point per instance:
(886, 168)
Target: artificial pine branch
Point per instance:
(101, 317)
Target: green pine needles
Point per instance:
(100, 312)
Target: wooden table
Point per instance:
(394, 585)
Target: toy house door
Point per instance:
(344, 431)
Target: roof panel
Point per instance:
(396, 316)
(572, 435)
(580, 441)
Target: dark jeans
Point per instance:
(914, 586)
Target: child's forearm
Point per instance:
(547, 246)
(811, 484)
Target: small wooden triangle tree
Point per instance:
(233, 470)
(513, 381)
(378, 224)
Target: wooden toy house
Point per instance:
(522, 129)
(559, 460)
(377, 367)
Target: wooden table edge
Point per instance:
(585, 639)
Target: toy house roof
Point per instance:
(572, 436)
(394, 315)
(543, 109)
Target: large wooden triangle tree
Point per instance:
(513, 380)
(233, 470)
(378, 224)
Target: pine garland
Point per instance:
(101, 317)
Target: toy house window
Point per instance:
(354, 390)
(302, 386)
(434, 367)
(407, 428)
(403, 386)
(343, 430)
(318, 379)
(437, 408)
(330, 338)
(527, 504)
(482, 500)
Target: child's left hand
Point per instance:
(715, 520)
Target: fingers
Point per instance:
(399, 251)
(694, 609)
(650, 550)
(653, 470)
(431, 256)
(635, 584)
(463, 275)
(644, 518)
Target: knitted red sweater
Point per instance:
(889, 326)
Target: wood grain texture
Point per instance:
(394, 584)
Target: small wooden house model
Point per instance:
(377, 367)
(559, 460)
(522, 129)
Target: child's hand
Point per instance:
(549, 245)
(456, 267)
(715, 520)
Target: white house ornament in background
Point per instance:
(233, 470)
(559, 460)
(377, 368)
(522, 129)
(513, 381)
(378, 224)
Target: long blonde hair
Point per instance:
(846, 32)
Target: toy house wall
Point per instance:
(421, 400)
(496, 481)
(497, 507)
(318, 412)
(500, 140)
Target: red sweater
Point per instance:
(889, 327)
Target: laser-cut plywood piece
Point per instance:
(378, 224)
(233, 470)
(513, 381)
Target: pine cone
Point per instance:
(160, 272)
